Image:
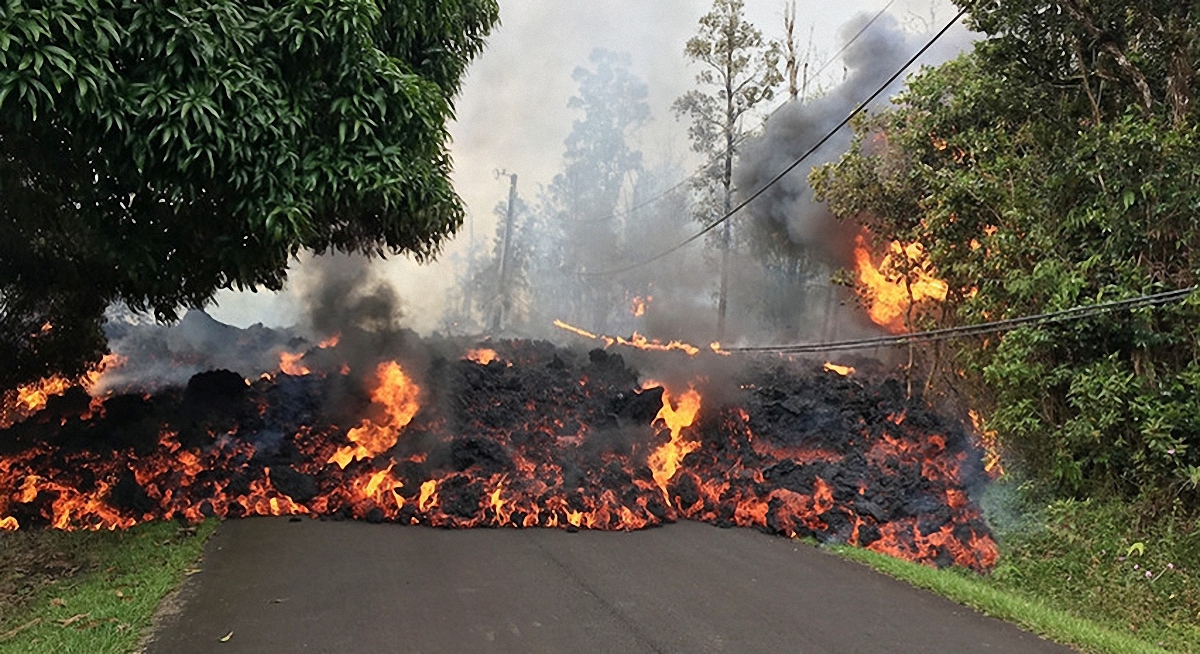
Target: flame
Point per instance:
(397, 394)
(636, 341)
(886, 289)
(642, 343)
(16, 405)
(332, 341)
(33, 397)
(716, 347)
(481, 356)
(428, 498)
(639, 304)
(575, 330)
(989, 440)
(664, 462)
(841, 370)
(9, 523)
(289, 364)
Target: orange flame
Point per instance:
(289, 364)
(9, 523)
(886, 289)
(642, 343)
(481, 356)
(664, 462)
(397, 394)
(989, 440)
(639, 304)
(637, 341)
(332, 341)
(841, 370)
(428, 498)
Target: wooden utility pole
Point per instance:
(502, 288)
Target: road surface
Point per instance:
(687, 588)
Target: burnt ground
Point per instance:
(273, 585)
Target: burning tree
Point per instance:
(153, 157)
(1033, 191)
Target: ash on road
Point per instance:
(348, 587)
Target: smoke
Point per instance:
(152, 356)
(787, 209)
(787, 245)
(342, 298)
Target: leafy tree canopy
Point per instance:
(1056, 165)
(154, 152)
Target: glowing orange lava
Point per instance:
(886, 290)
(481, 356)
(841, 370)
(398, 395)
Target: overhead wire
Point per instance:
(775, 180)
(979, 329)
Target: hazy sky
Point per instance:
(512, 112)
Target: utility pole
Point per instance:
(502, 288)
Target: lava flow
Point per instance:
(527, 436)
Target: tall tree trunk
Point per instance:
(727, 188)
(793, 61)
(1180, 74)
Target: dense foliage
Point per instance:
(154, 152)
(1057, 164)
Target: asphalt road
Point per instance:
(342, 587)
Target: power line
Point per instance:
(715, 158)
(966, 331)
(742, 205)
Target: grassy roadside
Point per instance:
(1099, 576)
(89, 592)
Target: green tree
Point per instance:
(740, 70)
(152, 153)
(1056, 165)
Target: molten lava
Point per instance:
(555, 440)
(481, 356)
(889, 292)
(397, 395)
(844, 371)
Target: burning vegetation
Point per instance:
(519, 434)
(893, 288)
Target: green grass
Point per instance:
(1072, 572)
(1028, 612)
(100, 591)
